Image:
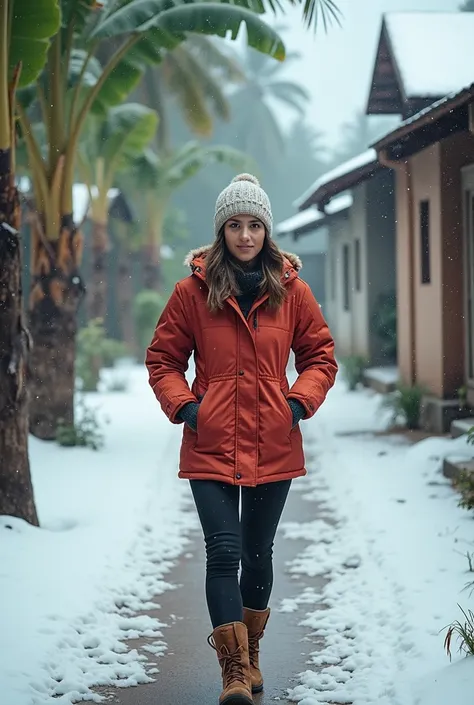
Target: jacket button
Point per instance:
(238, 476)
(241, 372)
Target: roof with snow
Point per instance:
(300, 222)
(421, 57)
(343, 177)
(441, 119)
(313, 242)
(312, 218)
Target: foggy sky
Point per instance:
(336, 67)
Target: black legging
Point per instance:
(230, 541)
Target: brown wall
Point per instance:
(456, 153)
(426, 174)
(404, 312)
(439, 307)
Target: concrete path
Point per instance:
(189, 672)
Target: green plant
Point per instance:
(464, 633)
(94, 351)
(384, 323)
(116, 383)
(84, 433)
(470, 435)
(405, 403)
(353, 368)
(147, 308)
(462, 396)
(464, 484)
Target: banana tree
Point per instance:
(196, 75)
(109, 147)
(157, 179)
(25, 30)
(73, 85)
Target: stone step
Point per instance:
(382, 379)
(452, 467)
(461, 426)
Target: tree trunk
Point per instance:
(56, 292)
(152, 275)
(152, 278)
(97, 290)
(125, 300)
(16, 490)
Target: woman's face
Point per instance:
(244, 236)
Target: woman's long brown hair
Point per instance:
(221, 271)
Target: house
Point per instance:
(360, 265)
(306, 234)
(311, 248)
(432, 156)
(421, 57)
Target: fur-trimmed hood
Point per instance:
(200, 253)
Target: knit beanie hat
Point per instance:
(243, 196)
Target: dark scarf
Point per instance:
(248, 282)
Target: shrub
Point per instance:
(464, 484)
(405, 403)
(384, 323)
(147, 308)
(84, 433)
(94, 351)
(353, 368)
(116, 383)
(464, 632)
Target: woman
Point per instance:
(241, 312)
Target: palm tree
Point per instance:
(358, 134)
(195, 75)
(157, 178)
(261, 135)
(129, 241)
(24, 42)
(75, 84)
(108, 149)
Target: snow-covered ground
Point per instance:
(393, 558)
(111, 524)
(389, 538)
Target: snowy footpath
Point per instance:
(389, 540)
(392, 543)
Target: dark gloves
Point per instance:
(189, 414)
(297, 409)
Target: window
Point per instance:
(357, 265)
(425, 241)
(345, 277)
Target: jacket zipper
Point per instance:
(255, 324)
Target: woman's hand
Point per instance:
(189, 413)
(297, 409)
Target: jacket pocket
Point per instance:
(275, 422)
(216, 419)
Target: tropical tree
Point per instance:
(263, 88)
(109, 147)
(467, 6)
(157, 178)
(25, 30)
(196, 75)
(74, 84)
(129, 241)
(359, 133)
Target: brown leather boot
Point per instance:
(255, 621)
(231, 643)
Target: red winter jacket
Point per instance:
(244, 433)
